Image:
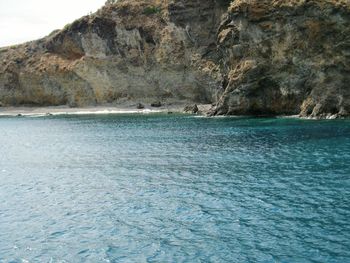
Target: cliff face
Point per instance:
(252, 57)
(286, 57)
(133, 50)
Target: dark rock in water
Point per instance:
(48, 114)
(170, 112)
(343, 113)
(140, 106)
(19, 115)
(156, 104)
(191, 109)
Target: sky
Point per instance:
(25, 20)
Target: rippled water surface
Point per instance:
(162, 188)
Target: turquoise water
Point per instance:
(159, 188)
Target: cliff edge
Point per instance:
(245, 57)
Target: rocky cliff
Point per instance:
(286, 57)
(253, 57)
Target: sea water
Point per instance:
(174, 188)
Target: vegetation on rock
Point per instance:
(150, 10)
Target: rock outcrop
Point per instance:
(129, 51)
(248, 57)
(286, 57)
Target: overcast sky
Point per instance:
(24, 20)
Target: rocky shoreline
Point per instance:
(204, 111)
(23, 111)
(243, 57)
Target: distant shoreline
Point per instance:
(60, 110)
(27, 111)
(91, 110)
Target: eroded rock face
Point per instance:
(255, 57)
(286, 57)
(129, 51)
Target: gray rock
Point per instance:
(156, 104)
(191, 109)
(140, 106)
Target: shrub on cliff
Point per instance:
(150, 10)
(224, 3)
(110, 2)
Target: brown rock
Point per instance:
(288, 61)
(191, 109)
